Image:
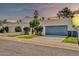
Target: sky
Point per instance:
(27, 9)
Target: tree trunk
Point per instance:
(32, 31)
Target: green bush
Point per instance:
(26, 30)
(18, 29)
(6, 29)
(70, 40)
(34, 23)
(39, 30)
(2, 30)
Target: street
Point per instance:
(15, 48)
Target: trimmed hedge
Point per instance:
(6, 29)
(26, 30)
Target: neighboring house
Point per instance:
(12, 22)
(52, 26)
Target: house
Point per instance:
(13, 22)
(56, 26)
(52, 26)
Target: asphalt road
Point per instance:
(14, 48)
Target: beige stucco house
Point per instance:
(53, 26)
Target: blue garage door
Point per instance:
(56, 30)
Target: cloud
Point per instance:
(46, 9)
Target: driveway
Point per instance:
(53, 38)
(16, 48)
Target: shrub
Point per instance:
(2, 30)
(26, 30)
(38, 30)
(18, 29)
(70, 40)
(6, 29)
(34, 23)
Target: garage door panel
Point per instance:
(56, 30)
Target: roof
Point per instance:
(76, 12)
(1, 23)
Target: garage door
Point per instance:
(56, 30)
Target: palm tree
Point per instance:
(65, 13)
(36, 14)
(59, 14)
(43, 18)
(48, 19)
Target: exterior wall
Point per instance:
(54, 22)
(51, 22)
(14, 23)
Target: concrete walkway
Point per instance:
(44, 42)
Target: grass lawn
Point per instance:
(13, 35)
(70, 40)
(26, 36)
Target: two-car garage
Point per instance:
(56, 30)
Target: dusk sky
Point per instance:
(46, 10)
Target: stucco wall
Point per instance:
(57, 22)
(13, 25)
(51, 22)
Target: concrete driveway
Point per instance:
(53, 38)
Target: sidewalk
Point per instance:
(43, 42)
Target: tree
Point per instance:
(43, 18)
(59, 14)
(65, 13)
(34, 23)
(48, 18)
(36, 14)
